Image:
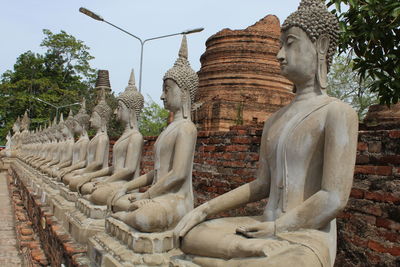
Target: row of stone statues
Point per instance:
(306, 165)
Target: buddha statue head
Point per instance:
(81, 119)
(181, 76)
(51, 131)
(25, 122)
(130, 103)
(101, 113)
(68, 125)
(309, 40)
(17, 125)
(59, 129)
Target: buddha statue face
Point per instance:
(172, 95)
(16, 127)
(122, 112)
(58, 134)
(77, 127)
(95, 120)
(297, 56)
(65, 131)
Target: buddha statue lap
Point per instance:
(306, 166)
(126, 151)
(170, 194)
(80, 124)
(98, 147)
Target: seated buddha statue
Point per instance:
(13, 140)
(80, 124)
(57, 148)
(98, 147)
(66, 147)
(51, 147)
(170, 194)
(126, 151)
(43, 147)
(306, 165)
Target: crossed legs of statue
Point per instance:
(215, 243)
(154, 215)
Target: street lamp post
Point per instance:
(56, 107)
(95, 16)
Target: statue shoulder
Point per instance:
(339, 110)
(136, 136)
(188, 127)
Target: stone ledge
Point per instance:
(137, 241)
(90, 210)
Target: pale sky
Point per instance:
(22, 22)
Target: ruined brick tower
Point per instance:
(240, 81)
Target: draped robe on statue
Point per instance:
(295, 138)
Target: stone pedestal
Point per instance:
(122, 245)
(86, 220)
(61, 206)
(5, 163)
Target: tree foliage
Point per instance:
(61, 76)
(345, 85)
(371, 28)
(153, 119)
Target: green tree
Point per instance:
(345, 85)
(61, 76)
(371, 28)
(153, 119)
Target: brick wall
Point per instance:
(368, 229)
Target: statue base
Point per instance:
(122, 245)
(86, 220)
(60, 207)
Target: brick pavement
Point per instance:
(9, 254)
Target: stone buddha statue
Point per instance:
(25, 123)
(50, 148)
(42, 147)
(98, 147)
(66, 148)
(126, 151)
(80, 124)
(58, 145)
(170, 194)
(306, 166)
(12, 140)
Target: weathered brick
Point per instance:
(394, 134)
(237, 148)
(361, 146)
(376, 170)
(388, 224)
(374, 147)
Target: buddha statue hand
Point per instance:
(83, 180)
(189, 221)
(114, 197)
(259, 230)
(97, 185)
(138, 196)
(139, 203)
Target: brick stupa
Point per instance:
(240, 81)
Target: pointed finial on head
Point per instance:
(183, 51)
(132, 78)
(70, 114)
(61, 118)
(54, 121)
